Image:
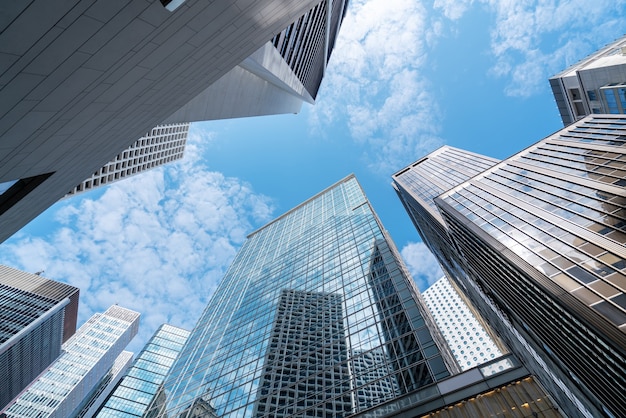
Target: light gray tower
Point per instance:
(70, 382)
(310, 299)
(467, 336)
(163, 144)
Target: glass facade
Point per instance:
(141, 383)
(539, 241)
(86, 358)
(316, 316)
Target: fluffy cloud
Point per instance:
(520, 42)
(421, 264)
(157, 243)
(374, 83)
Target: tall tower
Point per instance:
(466, 334)
(64, 388)
(596, 84)
(140, 384)
(89, 80)
(313, 302)
(36, 316)
(163, 144)
(539, 240)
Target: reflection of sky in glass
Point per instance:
(542, 206)
(326, 245)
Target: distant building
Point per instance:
(80, 82)
(140, 384)
(87, 358)
(36, 316)
(595, 84)
(466, 335)
(538, 242)
(163, 144)
(101, 392)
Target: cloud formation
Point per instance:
(519, 36)
(373, 81)
(157, 243)
(422, 265)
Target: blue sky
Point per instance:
(406, 77)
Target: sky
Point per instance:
(406, 77)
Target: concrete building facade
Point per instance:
(163, 144)
(465, 333)
(82, 80)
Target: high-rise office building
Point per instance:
(313, 303)
(81, 81)
(467, 336)
(140, 384)
(539, 240)
(68, 384)
(163, 144)
(596, 84)
(105, 386)
(36, 316)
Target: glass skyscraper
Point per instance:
(142, 381)
(539, 243)
(316, 316)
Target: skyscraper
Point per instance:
(163, 144)
(141, 383)
(105, 386)
(469, 340)
(36, 316)
(596, 84)
(316, 312)
(64, 388)
(80, 82)
(539, 243)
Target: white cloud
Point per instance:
(157, 243)
(524, 41)
(373, 82)
(422, 265)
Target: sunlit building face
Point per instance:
(541, 236)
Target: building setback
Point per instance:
(594, 85)
(36, 316)
(308, 295)
(81, 81)
(538, 240)
(140, 384)
(74, 377)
